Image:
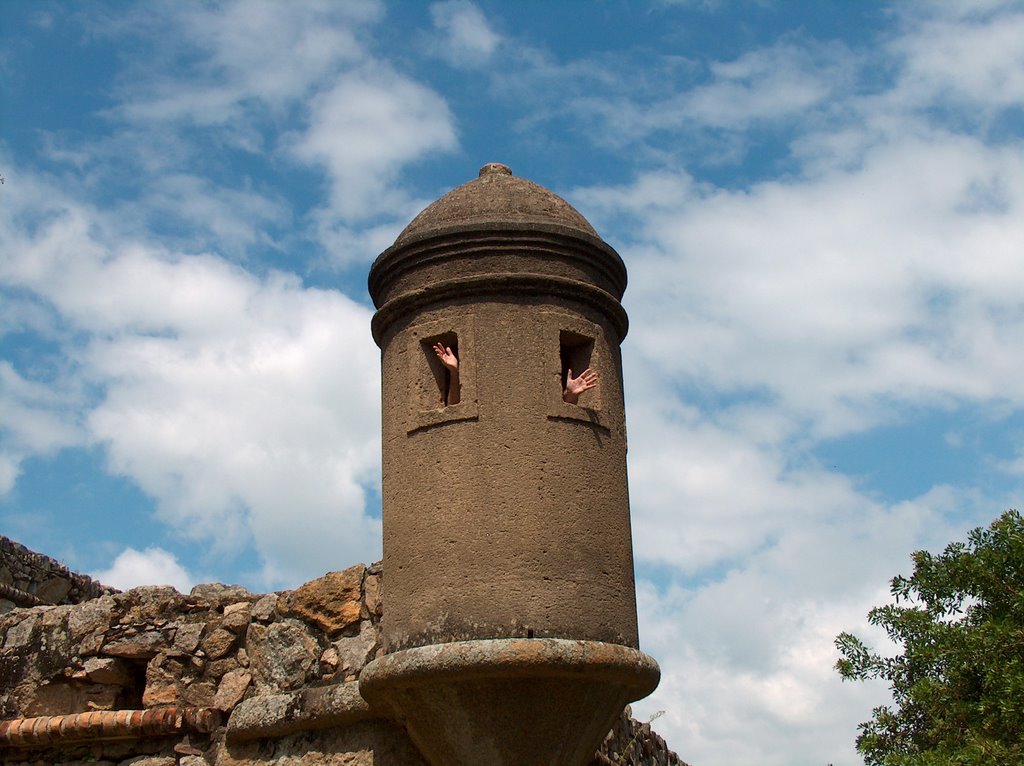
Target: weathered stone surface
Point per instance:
(236, 617)
(219, 593)
(329, 660)
(167, 677)
(218, 668)
(263, 715)
(199, 693)
(265, 609)
(218, 643)
(332, 602)
(149, 760)
(20, 631)
(55, 616)
(91, 644)
(61, 698)
(187, 635)
(42, 578)
(140, 647)
(373, 604)
(282, 654)
(315, 723)
(311, 708)
(107, 670)
(354, 651)
(232, 689)
(54, 589)
(148, 603)
(162, 687)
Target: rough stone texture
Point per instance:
(631, 743)
(369, 743)
(330, 602)
(531, 537)
(32, 579)
(106, 671)
(283, 655)
(232, 688)
(155, 646)
(217, 643)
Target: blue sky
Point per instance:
(821, 207)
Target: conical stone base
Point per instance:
(509, 702)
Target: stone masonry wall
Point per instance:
(31, 579)
(218, 677)
(631, 743)
(153, 648)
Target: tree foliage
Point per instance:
(958, 686)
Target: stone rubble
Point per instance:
(265, 666)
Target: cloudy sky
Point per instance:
(821, 207)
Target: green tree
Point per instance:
(958, 686)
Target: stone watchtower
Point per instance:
(510, 627)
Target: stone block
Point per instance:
(218, 593)
(90, 617)
(236, 617)
(199, 694)
(332, 602)
(232, 689)
(20, 633)
(265, 609)
(218, 643)
(143, 646)
(107, 670)
(282, 654)
(187, 635)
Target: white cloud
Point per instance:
(878, 280)
(235, 219)
(153, 566)
(245, 406)
(468, 38)
(266, 52)
(363, 130)
(775, 83)
(967, 54)
(839, 294)
(266, 429)
(30, 416)
(751, 648)
(10, 469)
(34, 421)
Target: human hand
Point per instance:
(447, 356)
(576, 386)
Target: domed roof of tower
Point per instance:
(496, 198)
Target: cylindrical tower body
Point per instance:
(506, 515)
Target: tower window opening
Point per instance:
(576, 352)
(442, 354)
